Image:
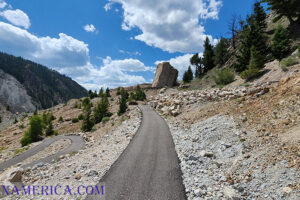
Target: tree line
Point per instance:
(248, 43)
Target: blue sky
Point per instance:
(110, 43)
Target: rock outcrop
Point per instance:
(165, 75)
(13, 93)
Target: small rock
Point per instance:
(78, 176)
(287, 190)
(192, 157)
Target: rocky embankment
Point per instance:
(171, 104)
(216, 165)
(236, 142)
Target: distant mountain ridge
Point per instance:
(46, 87)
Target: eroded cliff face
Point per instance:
(14, 95)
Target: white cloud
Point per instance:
(16, 17)
(107, 6)
(112, 73)
(181, 63)
(135, 53)
(3, 4)
(171, 25)
(90, 28)
(64, 51)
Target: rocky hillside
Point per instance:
(45, 87)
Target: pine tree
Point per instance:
(288, 8)
(87, 124)
(221, 52)
(260, 16)
(208, 56)
(122, 105)
(101, 110)
(256, 63)
(101, 92)
(280, 46)
(49, 130)
(188, 75)
(197, 61)
(140, 94)
(107, 92)
(34, 132)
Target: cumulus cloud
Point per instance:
(16, 17)
(71, 57)
(90, 28)
(181, 63)
(53, 52)
(3, 4)
(112, 73)
(171, 25)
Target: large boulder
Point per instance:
(165, 75)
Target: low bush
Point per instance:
(224, 77)
(60, 119)
(80, 116)
(75, 120)
(289, 61)
(250, 73)
(299, 51)
(105, 119)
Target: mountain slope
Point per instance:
(46, 87)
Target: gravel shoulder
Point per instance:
(212, 152)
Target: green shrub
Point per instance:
(224, 77)
(80, 116)
(289, 61)
(16, 121)
(26, 140)
(105, 119)
(21, 126)
(299, 51)
(75, 120)
(250, 73)
(0, 119)
(60, 119)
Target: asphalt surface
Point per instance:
(76, 143)
(149, 168)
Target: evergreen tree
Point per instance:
(124, 93)
(49, 130)
(87, 124)
(101, 110)
(107, 92)
(140, 94)
(256, 63)
(34, 132)
(208, 56)
(197, 61)
(122, 105)
(280, 46)
(118, 91)
(288, 8)
(101, 93)
(260, 16)
(188, 75)
(0, 119)
(222, 54)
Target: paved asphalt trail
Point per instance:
(76, 144)
(149, 168)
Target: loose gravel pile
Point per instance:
(216, 165)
